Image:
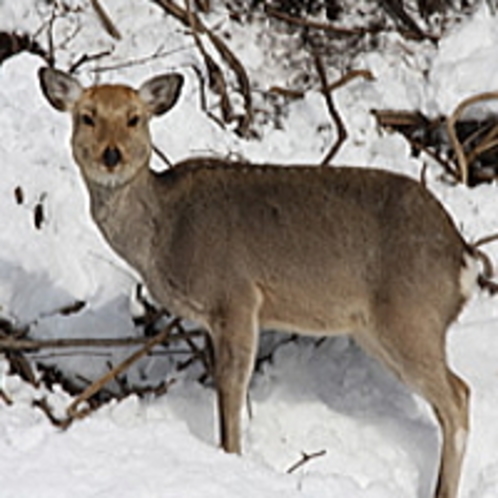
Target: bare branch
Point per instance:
(105, 19)
(488, 239)
(305, 458)
(336, 118)
(462, 160)
(192, 21)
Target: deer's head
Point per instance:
(110, 140)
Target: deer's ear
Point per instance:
(61, 89)
(161, 92)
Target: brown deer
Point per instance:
(237, 247)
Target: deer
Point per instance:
(240, 247)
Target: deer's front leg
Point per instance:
(235, 338)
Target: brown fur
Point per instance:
(238, 247)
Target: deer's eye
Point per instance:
(87, 120)
(133, 121)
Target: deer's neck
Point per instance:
(127, 216)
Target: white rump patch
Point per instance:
(468, 276)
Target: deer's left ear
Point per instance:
(61, 89)
(161, 92)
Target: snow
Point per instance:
(381, 441)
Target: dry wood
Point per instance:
(305, 458)
(462, 159)
(105, 19)
(342, 134)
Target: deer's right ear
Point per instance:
(61, 89)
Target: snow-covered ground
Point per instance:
(380, 440)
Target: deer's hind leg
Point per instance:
(234, 329)
(414, 349)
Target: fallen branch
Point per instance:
(12, 344)
(96, 386)
(305, 458)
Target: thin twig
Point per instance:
(350, 76)
(85, 58)
(485, 240)
(217, 81)
(306, 23)
(433, 155)
(305, 458)
(341, 130)
(158, 54)
(5, 398)
(164, 158)
(343, 80)
(105, 19)
(287, 93)
(61, 423)
(395, 9)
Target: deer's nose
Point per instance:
(111, 157)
